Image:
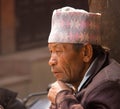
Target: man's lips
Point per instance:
(56, 73)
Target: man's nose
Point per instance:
(52, 61)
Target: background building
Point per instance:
(24, 29)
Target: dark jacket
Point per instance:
(8, 100)
(100, 91)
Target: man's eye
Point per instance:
(58, 51)
(50, 51)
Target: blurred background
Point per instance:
(24, 29)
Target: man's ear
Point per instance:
(87, 52)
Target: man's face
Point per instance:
(66, 64)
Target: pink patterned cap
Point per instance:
(71, 25)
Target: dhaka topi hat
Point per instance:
(71, 25)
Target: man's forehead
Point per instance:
(57, 45)
(54, 44)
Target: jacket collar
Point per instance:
(100, 62)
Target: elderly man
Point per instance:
(86, 77)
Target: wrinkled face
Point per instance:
(66, 64)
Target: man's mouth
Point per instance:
(56, 74)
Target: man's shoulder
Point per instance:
(109, 73)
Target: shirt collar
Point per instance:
(87, 75)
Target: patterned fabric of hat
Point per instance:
(71, 25)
